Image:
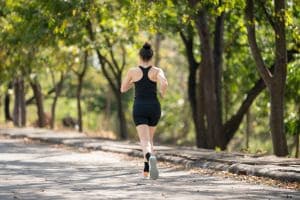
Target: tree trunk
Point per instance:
(218, 61)
(277, 86)
(248, 128)
(196, 100)
(80, 76)
(121, 117)
(7, 114)
(37, 91)
(276, 120)
(226, 103)
(79, 110)
(201, 134)
(58, 89)
(297, 145)
(53, 107)
(31, 99)
(213, 119)
(19, 105)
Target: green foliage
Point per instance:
(43, 39)
(292, 126)
(292, 120)
(293, 82)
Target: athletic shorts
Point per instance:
(146, 113)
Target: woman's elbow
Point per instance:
(122, 89)
(165, 84)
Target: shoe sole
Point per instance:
(153, 168)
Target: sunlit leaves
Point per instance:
(292, 124)
(151, 16)
(292, 120)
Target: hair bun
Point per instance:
(147, 46)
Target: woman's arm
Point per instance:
(127, 82)
(163, 83)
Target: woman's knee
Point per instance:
(143, 128)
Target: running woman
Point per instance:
(146, 107)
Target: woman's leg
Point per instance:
(145, 139)
(152, 131)
(152, 160)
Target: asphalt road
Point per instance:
(39, 171)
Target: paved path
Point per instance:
(285, 169)
(39, 171)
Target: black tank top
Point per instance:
(145, 89)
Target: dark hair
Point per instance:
(146, 52)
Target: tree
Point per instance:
(7, 114)
(17, 34)
(109, 43)
(80, 75)
(275, 81)
(19, 116)
(37, 89)
(112, 71)
(58, 86)
(196, 102)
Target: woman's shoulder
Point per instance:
(133, 69)
(156, 69)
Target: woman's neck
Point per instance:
(145, 64)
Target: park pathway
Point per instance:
(41, 171)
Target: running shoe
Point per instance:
(153, 167)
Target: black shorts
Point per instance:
(146, 113)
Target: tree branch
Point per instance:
(114, 65)
(232, 125)
(280, 42)
(75, 72)
(183, 37)
(218, 59)
(106, 74)
(188, 42)
(112, 54)
(101, 58)
(31, 99)
(123, 58)
(85, 65)
(250, 24)
(269, 17)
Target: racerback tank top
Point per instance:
(145, 88)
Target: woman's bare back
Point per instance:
(137, 74)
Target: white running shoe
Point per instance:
(153, 167)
